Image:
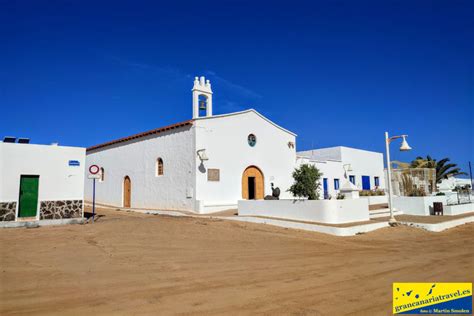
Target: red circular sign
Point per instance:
(94, 169)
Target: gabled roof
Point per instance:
(143, 134)
(243, 112)
(181, 124)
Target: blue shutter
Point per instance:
(365, 182)
(325, 188)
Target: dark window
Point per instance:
(352, 179)
(102, 174)
(336, 184)
(159, 167)
(252, 140)
(377, 181)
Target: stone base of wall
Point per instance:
(61, 209)
(7, 211)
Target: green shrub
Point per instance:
(306, 182)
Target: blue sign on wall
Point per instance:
(74, 163)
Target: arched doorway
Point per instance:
(127, 192)
(252, 184)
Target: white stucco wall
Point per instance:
(417, 205)
(376, 199)
(322, 211)
(362, 163)
(458, 209)
(57, 180)
(137, 159)
(225, 140)
(322, 154)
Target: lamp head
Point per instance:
(202, 155)
(405, 146)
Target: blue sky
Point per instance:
(334, 72)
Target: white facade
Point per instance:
(224, 138)
(451, 183)
(337, 162)
(60, 174)
(137, 159)
(207, 161)
(184, 184)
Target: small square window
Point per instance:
(213, 175)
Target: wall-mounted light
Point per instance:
(202, 155)
(349, 168)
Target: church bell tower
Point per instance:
(202, 97)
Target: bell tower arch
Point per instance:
(202, 97)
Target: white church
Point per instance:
(208, 163)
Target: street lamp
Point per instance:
(403, 147)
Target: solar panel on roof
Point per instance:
(9, 139)
(23, 140)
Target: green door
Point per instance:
(28, 196)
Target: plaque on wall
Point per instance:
(213, 174)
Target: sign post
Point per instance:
(94, 174)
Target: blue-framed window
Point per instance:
(377, 181)
(352, 179)
(325, 187)
(336, 184)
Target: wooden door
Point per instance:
(252, 180)
(28, 196)
(127, 192)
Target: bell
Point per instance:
(202, 105)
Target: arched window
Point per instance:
(102, 174)
(159, 167)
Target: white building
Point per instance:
(208, 163)
(449, 184)
(204, 165)
(363, 168)
(40, 182)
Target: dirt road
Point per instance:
(129, 263)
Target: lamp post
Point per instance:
(403, 147)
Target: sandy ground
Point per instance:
(431, 219)
(134, 264)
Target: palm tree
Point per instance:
(443, 168)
